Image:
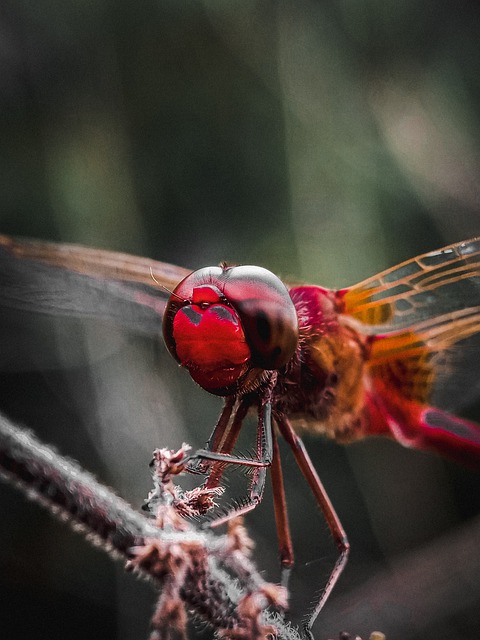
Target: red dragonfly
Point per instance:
(383, 357)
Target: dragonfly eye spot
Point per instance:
(194, 317)
(264, 329)
(276, 352)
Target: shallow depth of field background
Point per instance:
(325, 141)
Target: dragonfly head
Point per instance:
(221, 323)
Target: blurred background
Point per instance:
(323, 140)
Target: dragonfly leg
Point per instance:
(220, 434)
(221, 456)
(285, 545)
(223, 437)
(333, 522)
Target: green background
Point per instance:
(325, 141)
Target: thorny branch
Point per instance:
(210, 574)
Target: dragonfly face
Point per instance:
(385, 356)
(227, 325)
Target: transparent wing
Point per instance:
(425, 314)
(79, 285)
(63, 279)
(433, 284)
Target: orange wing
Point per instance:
(431, 285)
(424, 315)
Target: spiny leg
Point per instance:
(285, 545)
(333, 522)
(223, 430)
(259, 464)
(222, 439)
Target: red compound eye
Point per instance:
(211, 344)
(221, 322)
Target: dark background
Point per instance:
(323, 140)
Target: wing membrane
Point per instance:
(76, 281)
(433, 284)
(433, 361)
(98, 263)
(425, 316)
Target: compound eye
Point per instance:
(253, 296)
(267, 313)
(186, 292)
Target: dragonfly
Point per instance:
(385, 357)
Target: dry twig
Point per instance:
(211, 575)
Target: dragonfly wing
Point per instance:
(98, 263)
(74, 281)
(425, 318)
(78, 284)
(430, 285)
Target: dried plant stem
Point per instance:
(76, 496)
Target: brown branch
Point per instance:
(206, 572)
